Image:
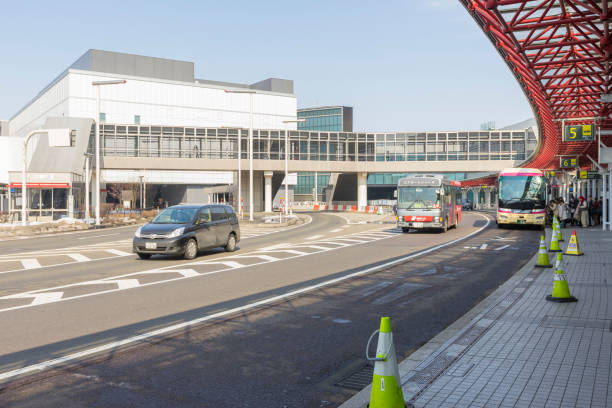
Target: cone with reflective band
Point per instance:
(386, 389)
(560, 291)
(543, 261)
(554, 242)
(573, 248)
(559, 235)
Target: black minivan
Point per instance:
(186, 229)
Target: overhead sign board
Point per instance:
(578, 133)
(587, 174)
(568, 162)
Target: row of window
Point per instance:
(319, 112)
(134, 141)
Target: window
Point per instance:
(137, 119)
(204, 216)
(218, 213)
(102, 117)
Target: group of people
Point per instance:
(577, 211)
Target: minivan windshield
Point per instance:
(175, 216)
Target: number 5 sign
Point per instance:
(578, 133)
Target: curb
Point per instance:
(444, 340)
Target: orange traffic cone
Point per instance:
(573, 248)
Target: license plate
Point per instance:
(521, 221)
(417, 224)
(151, 245)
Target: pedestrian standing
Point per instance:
(591, 211)
(584, 212)
(563, 213)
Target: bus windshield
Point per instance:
(418, 197)
(522, 192)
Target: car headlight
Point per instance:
(138, 231)
(177, 232)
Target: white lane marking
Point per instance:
(264, 257)
(502, 247)
(98, 236)
(313, 237)
(122, 284)
(346, 226)
(79, 257)
(188, 273)
(336, 230)
(30, 263)
(38, 298)
(117, 252)
(483, 246)
(350, 239)
(169, 329)
(231, 264)
(308, 246)
(289, 251)
(342, 244)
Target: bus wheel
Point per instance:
(405, 229)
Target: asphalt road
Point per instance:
(290, 352)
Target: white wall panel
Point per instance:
(53, 102)
(176, 104)
(168, 176)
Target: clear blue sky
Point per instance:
(402, 65)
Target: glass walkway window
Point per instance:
(269, 144)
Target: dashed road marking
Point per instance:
(79, 257)
(483, 246)
(336, 230)
(314, 237)
(117, 252)
(30, 263)
(98, 236)
(501, 247)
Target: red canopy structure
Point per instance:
(559, 52)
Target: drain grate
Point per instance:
(359, 379)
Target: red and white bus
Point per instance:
(427, 201)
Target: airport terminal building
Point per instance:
(168, 137)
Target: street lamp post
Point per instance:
(87, 157)
(98, 84)
(286, 122)
(239, 203)
(251, 92)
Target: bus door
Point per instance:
(449, 204)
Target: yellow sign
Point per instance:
(583, 174)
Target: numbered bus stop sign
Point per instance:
(578, 133)
(568, 163)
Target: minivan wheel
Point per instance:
(144, 256)
(191, 249)
(231, 243)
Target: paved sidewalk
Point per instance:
(518, 350)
